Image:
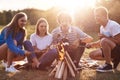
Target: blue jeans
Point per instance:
(28, 46)
(46, 59)
(76, 54)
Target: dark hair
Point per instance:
(13, 26)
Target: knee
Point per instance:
(53, 51)
(27, 42)
(27, 45)
(104, 41)
(91, 55)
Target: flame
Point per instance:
(61, 52)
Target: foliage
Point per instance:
(84, 18)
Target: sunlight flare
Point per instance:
(72, 5)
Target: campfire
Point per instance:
(63, 65)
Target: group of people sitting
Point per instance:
(39, 51)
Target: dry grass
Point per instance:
(85, 74)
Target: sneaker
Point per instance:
(4, 64)
(105, 68)
(11, 69)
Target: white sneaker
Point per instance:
(4, 64)
(11, 69)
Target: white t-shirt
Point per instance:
(41, 42)
(111, 29)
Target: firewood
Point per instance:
(69, 59)
(65, 73)
(61, 70)
(58, 69)
(70, 68)
(52, 72)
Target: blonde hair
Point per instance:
(37, 25)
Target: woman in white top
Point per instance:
(41, 40)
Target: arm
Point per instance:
(93, 44)
(115, 39)
(13, 47)
(55, 36)
(83, 36)
(87, 39)
(36, 49)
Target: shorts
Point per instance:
(114, 53)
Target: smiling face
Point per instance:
(101, 15)
(64, 20)
(98, 18)
(22, 22)
(42, 28)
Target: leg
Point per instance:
(31, 58)
(47, 58)
(10, 55)
(107, 46)
(28, 46)
(3, 52)
(115, 55)
(96, 54)
(18, 58)
(78, 54)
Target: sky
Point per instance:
(21, 4)
(43, 4)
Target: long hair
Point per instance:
(37, 26)
(13, 26)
